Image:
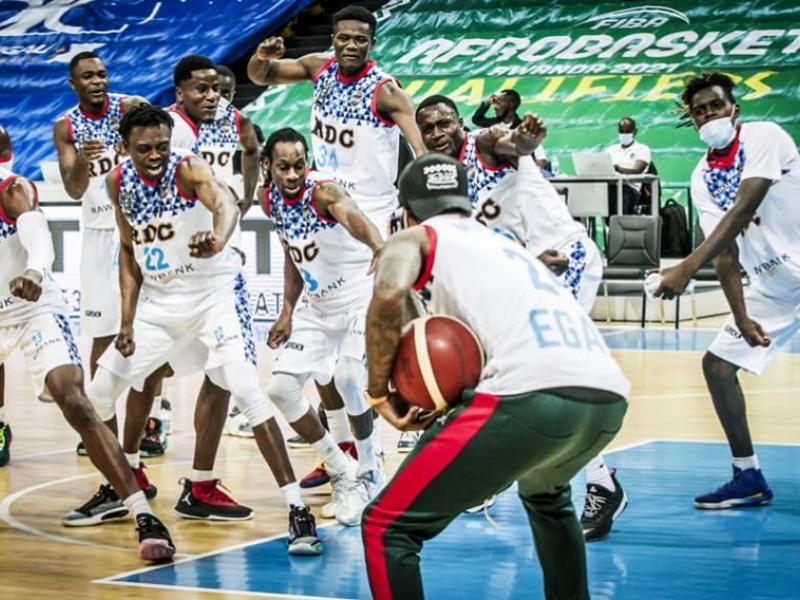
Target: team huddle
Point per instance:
(366, 248)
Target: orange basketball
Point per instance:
(437, 359)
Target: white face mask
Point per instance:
(626, 139)
(718, 133)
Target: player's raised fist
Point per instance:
(27, 286)
(534, 126)
(204, 244)
(124, 341)
(271, 48)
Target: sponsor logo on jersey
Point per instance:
(293, 346)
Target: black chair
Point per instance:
(634, 249)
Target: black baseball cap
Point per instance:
(432, 184)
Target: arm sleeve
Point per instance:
(765, 145)
(34, 235)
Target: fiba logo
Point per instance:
(640, 17)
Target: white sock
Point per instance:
(198, 475)
(133, 459)
(291, 495)
(155, 410)
(103, 480)
(339, 425)
(597, 473)
(137, 504)
(377, 430)
(746, 462)
(367, 461)
(3, 414)
(335, 460)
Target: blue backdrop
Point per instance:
(139, 40)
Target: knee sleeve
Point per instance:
(241, 380)
(350, 380)
(286, 392)
(103, 392)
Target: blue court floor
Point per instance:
(661, 547)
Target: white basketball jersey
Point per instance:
(216, 141)
(535, 335)
(164, 219)
(96, 209)
(492, 191)
(13, 262)
(546, 216)
(351, 141)
(7, 163)
(332, 263)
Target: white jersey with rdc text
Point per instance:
(96, 209)
(769, 248)
(352, 143)
(535, 335)
(547, 219)
(164, 218)
(216, 141)
(13, 262)
(492, 191)
(332, 263)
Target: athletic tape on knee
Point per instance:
(286, 392)
(241, 380)
(103, 392)
(350, 379)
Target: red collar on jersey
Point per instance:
(344, 79)
(102, 113)
(174, 108)
(724, 161)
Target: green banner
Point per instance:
(584, 65)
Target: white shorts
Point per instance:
(585, 270)
(219, 331)
(778, 317)
(100, 297)
(319, 340)
(45, 341)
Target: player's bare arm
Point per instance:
(334, 201)
(520, 141)
(19, 199)
(399, 267)
(267, 66)
(195, 176)
(292, 288)
(736, 219)
(730, 278)
(74, 166)
(130, 275)
(394, 104)
(250, 149)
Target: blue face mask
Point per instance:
(626, 139)
(718, 133)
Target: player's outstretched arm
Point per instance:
(520, 141)
(195, 176)
(395, 104)
(736, 219)
(130, 275)
(292, 288)
(249, 143)
(74, 166)
(267, 66)
(334, 201)
(18, 202)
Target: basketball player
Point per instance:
(227, 83)
(510, 196)
(550, 395)
(319, 226)
(6, 162)
(32, 319)
(357, 112)
(745, 188)
(87, 140)
(181, 283)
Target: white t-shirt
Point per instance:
(626, 157)
(535, 335)
(768, 249)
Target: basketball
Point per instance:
(437, 359)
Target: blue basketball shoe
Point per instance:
(747, 488)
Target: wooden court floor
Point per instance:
(45, 477)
